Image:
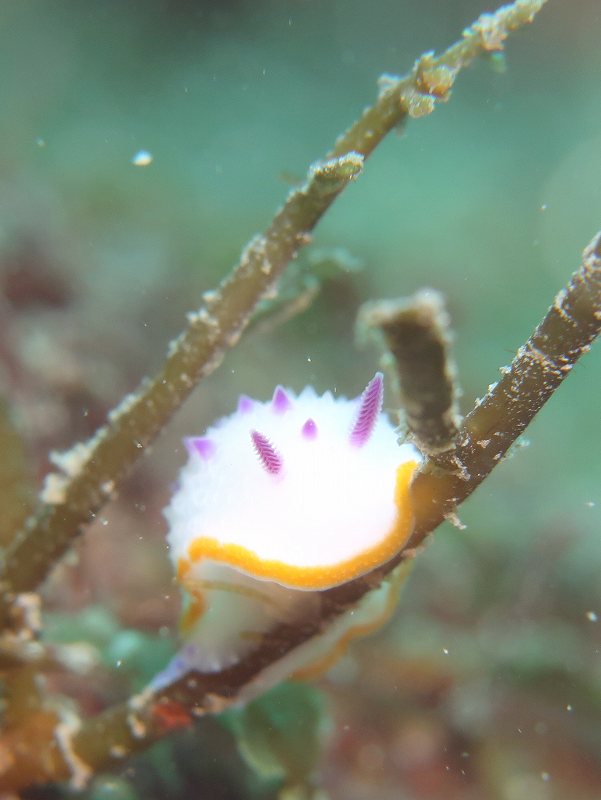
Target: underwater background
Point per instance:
(143, 144)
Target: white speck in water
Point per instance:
(104, 522)
(569, 707)
(545, 776)
(40, 142)
(142, 158)
(592, 616)
(445, 651)
(118, 663)
(590, 504)
(544, 207)
(309, 359)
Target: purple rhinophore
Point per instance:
(280, 401)
(270, 458)
(245, 404)
(371, 405)
(201, 446)
(309, 429)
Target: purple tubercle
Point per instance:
(371, 405)
(280, 401)
(309, 429)
(245, 404)
(201, 446)
(270, 458)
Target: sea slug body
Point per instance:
(277, 502)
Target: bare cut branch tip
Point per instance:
(416, 333)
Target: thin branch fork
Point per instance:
(565, 334)
(93, 470)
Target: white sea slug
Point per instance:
(278, 501)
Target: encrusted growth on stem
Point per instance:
(432, 77)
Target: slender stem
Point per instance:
(432, 78)
(92, 470)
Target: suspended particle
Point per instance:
(142, 158)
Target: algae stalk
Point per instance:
(92, 470)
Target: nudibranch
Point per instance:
(277, 502)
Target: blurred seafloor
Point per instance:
(488, 682)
